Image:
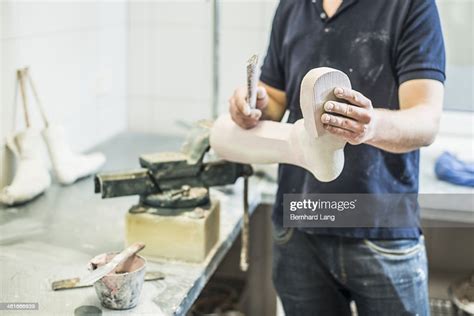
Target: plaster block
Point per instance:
(179, 237)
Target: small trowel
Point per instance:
(75, 283)
(109, 267)
(101, 271)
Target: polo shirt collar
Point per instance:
(319, 7)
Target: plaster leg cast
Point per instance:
(69, 166)
(32, 176)
(304, 143)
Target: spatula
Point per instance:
(109, 267)
(74, 283)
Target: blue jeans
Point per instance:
(320, 275)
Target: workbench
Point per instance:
(54, 237)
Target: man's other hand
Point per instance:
(352, 121)
(241, 112)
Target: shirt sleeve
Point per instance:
(420, 50)
(272, 72)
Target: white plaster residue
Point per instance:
(369, 48)
(421, 273)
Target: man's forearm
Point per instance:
(273, 112)
(276, 103)
(401, 131)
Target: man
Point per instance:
(393, 53)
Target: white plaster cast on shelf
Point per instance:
(69, 166)
(32, 176)
(305, 143)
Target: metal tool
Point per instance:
(252, 80)
(75, 283)
(173, 179)
(174, 183)
(109, 267)
(244, 251)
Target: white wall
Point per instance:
(169, 64)
(458, 30)
(245, 30)
(3, 156)
(170, 58)
(77, 53)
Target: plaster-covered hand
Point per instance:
(240, 111)
(353, 121)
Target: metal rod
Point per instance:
(244, 251)
(215, 64)
(19, 74)
(35, 95)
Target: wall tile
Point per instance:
(139, 115)
(170, 61)
(241, 14)
(36, 18)
(183, 63)
(170, 56)
(236, 47)
(184, 111)
(180, 13)
(458, 30)
(77, 52)
(140, 60)
(165, 115)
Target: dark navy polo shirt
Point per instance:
(379, 45)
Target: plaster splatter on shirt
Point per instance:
(363, 47)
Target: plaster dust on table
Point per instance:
(34, 272)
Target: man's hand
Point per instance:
(240, 111)
(353, 121)
(414, 125)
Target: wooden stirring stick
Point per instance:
(27, 74)
(19, 74)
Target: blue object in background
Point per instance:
(449, 168)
